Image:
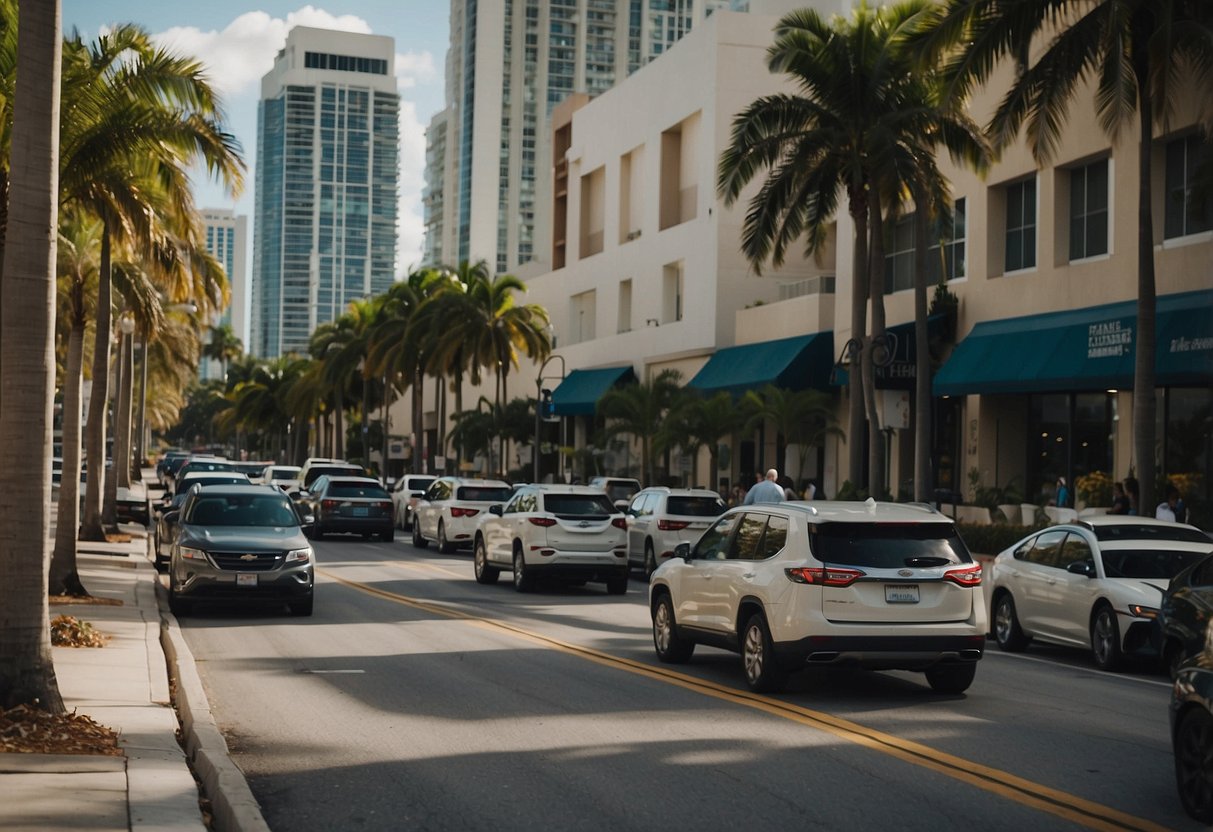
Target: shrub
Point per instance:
(990, 540)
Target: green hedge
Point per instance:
(992, 539)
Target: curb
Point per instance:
(233, 806)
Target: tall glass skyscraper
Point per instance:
(327, 179)
(226, 240)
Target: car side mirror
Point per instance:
(495, 509)
(172, 516)
(306, 521)
(1082, 567)
(683, 550)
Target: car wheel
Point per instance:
(762, 671)
(1006, 625)
(522, 578)
(650, 559)
(951, 678)
(670, 647)
(1105, 639)
(418, 541)
(388, 536)
(1194, 763)
(302, 608)
(444, 545)
(617, 584)
(485, 574)
(177, 605)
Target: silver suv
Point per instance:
(884, 586)
(658, 518)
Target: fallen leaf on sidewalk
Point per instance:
(27, 730)
(85, 599)
(118, 538)
(67, 631)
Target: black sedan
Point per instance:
(1192, 734)
(1186, 610)
(354, 505)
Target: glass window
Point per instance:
(1089, 210)
(578, 505)
(1189, 206)
(776, 537)
(1075, 550)
(1047, 549)
(1147, 563)
(696, 506)
(484, 494)
(1021, 225)
(712, 545)
(888, 545)
(749, 535)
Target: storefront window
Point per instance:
(1092, 434)
(1188, 442)
(1048, 444)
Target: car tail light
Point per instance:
(542, 521)
(823, 575)
(672, 525)
(330, 504)
(967, 576)
(464, 512)
(385, 506)
(620, 523)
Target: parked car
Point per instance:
(405, 493)
(1096, 584)
(568, 531)
(165, 529)
(240, 543)
(315, 468)
(253, 470)
(166, 468)
(448, 511)
(619, 489)
(351, 505)
(200, 464)
(658, 518)
(285, 477)
(1192, 731)
(1187, 607)
(788, 585)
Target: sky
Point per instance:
(238, 39)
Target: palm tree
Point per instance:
(1139, 53)
(27, 304)
(637, 410)
(695, 422)
(223, 345)
(453, 322)
(804, 418)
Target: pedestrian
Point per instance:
(1172, 508)
(1120, 500)
(789, 493)
(767, 490)
(810, 490)
(737, 495)
(1131, 489)
(1063, 493)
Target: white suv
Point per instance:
(448, 511)
(405, 494)
(569, 531)
(879, 585)
(658, 518)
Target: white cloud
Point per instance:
(413, 68)
(412, 181)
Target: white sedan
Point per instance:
(1095, 584)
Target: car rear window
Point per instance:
(419, 483)
(483, 494)
(243, 510)
(321, 470)
(888, 545)
(1144, 531)
(1147, 563)
(578, 505)
(621, 492)
(284, 473)
(190, 482)
(357, 489)
(695, 506)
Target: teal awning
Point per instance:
(580, 391)
(1083, 349)
(794, 363)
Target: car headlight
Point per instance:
(188, 553)
(1140, 611)
(303, 555)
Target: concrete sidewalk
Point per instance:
(125, 686)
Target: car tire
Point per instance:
(951, 678)
(650, 559)
(302, 609)
(1007, 632)
(523, 580)
(1105, 639)
(617, 584)
(485, 574)
(177, 605)
(763, 673)
(444, 545)
(388, 536)
(670, 647)
(1194, 763)
(419, 541)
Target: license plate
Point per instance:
(360, 511)
(901, 593)
(246, 579)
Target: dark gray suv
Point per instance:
(240, 543)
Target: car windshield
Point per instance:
(203, 465)
(284, 473)
(621, 492)
(419, 483)
(1147, 563)
(242, 510)
(888, 545)
(483, 493)
(253, 470)
(578, 505)
(190, 482)
(320, 471)
(348, 490)
(696, 506)
(1147, 531)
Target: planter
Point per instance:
(1011, 514)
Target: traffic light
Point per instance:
(547, 408)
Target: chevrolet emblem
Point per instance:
(905, 573)
(248, 557)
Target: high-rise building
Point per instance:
(227, 240)
(327, 180)
(509, 63)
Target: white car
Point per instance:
(659, 518)
(566, 531)
(1096, 584)
(448, 511)
(405, 494)
(285, 477)
(884, 586)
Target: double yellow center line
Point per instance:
(1061, 804)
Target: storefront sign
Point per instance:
(1109, 339)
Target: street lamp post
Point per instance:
(539, 405)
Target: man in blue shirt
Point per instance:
(767, 491)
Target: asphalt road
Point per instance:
(415, 698)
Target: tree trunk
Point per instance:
(874, 350)
(64, 577)
(141, 419)
(339, 425)
(1145, 403)
(126, 387)
(94, 430)
(922, 359)
(109, 499)
(859, 326)
(27, 376)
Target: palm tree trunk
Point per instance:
(922, 359)
(1145, 402)
(126, 386)
(141, 419)
(873, 345)
(27, 376)
(64, 577)
(859, 326)
(338, 423)
(94, 431)
(109, 500)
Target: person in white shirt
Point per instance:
(767, 491)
